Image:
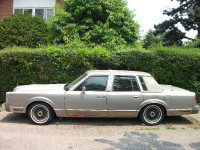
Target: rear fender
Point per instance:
(152, 101)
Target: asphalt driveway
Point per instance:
(17, 133)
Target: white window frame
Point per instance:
(33, 11)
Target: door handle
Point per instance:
(135, 96)
(101, 96)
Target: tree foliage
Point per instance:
(94, 21)
(186, 14)
(150, 40)
(23, 30)
(171, 35)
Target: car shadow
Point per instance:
(138, 141)
(23, 119)
(15, 118)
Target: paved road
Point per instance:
(102, 134)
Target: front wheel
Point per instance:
(152, 115)
(40, 113)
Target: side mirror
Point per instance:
(83, 89)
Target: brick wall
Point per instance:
(6, 8)
(59, 2)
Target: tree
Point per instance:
(187, 14)
(23, 30)
(170, 34)
(150, 40)
(94, 21)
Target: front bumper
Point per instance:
(5, 107)
(195, 109)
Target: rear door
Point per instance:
(124, 98)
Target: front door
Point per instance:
(88, 99)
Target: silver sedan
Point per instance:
(102, 93)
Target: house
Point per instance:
(43, 8)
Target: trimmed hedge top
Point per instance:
(63, 64)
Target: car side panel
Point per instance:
(123, 104)
(18, 101)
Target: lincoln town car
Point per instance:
(102, 93)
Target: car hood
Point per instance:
(40, 87)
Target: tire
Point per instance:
(40, 113)
(152, 115)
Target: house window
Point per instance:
(44, 13)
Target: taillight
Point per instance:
(196, 100)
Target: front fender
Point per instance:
(40, 99)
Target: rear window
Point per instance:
(143, 84)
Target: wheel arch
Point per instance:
(153, 102)
(41, 100)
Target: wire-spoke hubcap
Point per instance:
(152, 114)
(40, 113)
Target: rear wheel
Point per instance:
(152, 115)
(40, 113)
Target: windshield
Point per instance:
(69, 86)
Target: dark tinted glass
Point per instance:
(134, 83)
(49, 13)
(39, 12)
(79, 88)
(18, 10)
(143, 84)
(95, 83)
(29, 11)
(122, 83)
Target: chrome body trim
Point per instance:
(86, 113)
(123, 114)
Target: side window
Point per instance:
(143, 84)
(122, 83)
(94, 83)
(125, 83)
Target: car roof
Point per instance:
(117, 72)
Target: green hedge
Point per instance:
(62, 64)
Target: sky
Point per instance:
(150, 12)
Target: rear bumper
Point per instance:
(176, 112)
(195, 109)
